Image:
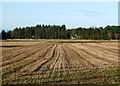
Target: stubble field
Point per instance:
(65, 61)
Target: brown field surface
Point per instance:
(59, 61)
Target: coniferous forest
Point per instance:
(61, 32)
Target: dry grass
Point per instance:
(59, 61)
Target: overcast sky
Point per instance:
(72, 14)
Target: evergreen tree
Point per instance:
(3, 35)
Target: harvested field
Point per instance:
(53, 61)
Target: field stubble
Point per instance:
(60, 62)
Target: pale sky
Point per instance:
(72, 14)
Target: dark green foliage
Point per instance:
(3, 35)
(8, 34)
(60, 32)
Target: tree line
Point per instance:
(61, 32)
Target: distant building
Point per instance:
(33, 37)
(74, 37)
